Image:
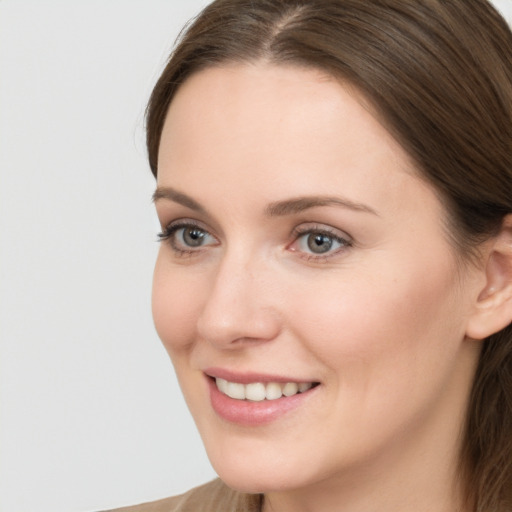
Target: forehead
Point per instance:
(273, 106)
(262, 129)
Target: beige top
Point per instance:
(211, 497)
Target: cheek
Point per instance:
(175, 304)
(399, 317)
(389, 347)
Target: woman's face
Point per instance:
(300, 251)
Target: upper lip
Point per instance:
(250, 377)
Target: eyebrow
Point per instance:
(299, 204)
(275, 209)
(178, 197)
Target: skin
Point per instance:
(380, 321)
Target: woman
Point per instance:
(334, 285)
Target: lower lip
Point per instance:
(247, 413)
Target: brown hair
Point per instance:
(439, 74)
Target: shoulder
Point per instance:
(214, 496)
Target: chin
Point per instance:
(255, 481)
(260, 469)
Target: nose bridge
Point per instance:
(238, 305)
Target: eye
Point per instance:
(186, 237)
(192, 236)
(319, 242)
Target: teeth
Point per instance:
(304, 386)
(257, 391)
(222, 385)
(290, 388)
(273, 391)
(235, 390)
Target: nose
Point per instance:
(240, 305)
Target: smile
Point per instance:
(258, 391)
(253, 399)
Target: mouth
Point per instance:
(260, 391)
(252, 399)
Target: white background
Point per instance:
(91, 415)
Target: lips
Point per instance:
(252, 400)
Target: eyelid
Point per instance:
(182, 222)
(318, 227)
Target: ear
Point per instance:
(493, 308)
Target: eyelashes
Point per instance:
(315, 242)
(310, 241)
(186, 237)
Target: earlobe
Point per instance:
(493, 308)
